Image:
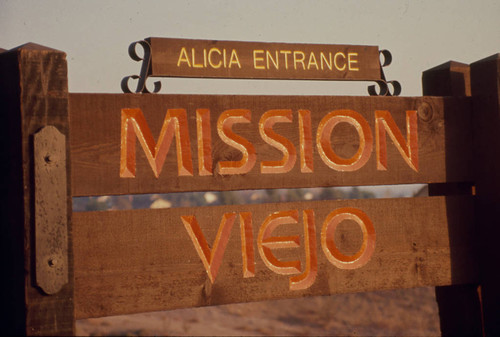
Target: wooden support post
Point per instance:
(459, 305)
(448, 79)
(36, 242)
(485, 85)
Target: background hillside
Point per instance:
(408, 312)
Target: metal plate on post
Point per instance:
(51, 217)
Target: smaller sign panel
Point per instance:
(235, 59)
(170, 57)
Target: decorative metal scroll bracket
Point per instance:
(51, 212)
(383, 84)
(141, 79)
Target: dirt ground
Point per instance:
(405, 312)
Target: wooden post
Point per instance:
(36, 242)
(448, 79)
(459, 305)
(485, 85)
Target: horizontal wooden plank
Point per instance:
(145, 260)
(442, 123)
(237, 59)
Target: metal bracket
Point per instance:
(141, 79)
(51, 213)
(383, 84)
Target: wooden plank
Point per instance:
(443, 142)
(459, 305)
(33, 93)
(237, 59)
(145, 260)
(485, 84)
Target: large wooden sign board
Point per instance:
(251, 142)
(170, 143)
(119, 262)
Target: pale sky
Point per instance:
(95, 34)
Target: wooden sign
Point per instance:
(148, 260)
(116, 262)
(235, 59)
(173, 143)
(170, 57)
(234, 253)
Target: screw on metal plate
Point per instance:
(52, 262)
(51, 213)
(383, 84)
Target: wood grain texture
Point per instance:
(284, 60)
(485, 84)
(448, 79)
(443, 141)
(459, 305)
(143, 260)
(34, 93)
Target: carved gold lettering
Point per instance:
(247, 252)
(323, 140)
(183, 57)
(335, 61)
(270, 59)
(277, 141)
(233, 59)
(265, 242)
(312, 62)
(210, 61)
(274, 61)
(408, 149)
(352, 60)
(286, 53)
(203, 132)
(331, 251)
(195, 65)
(257, 58)
(307, 278)
(211, 258)
(325, 61)
(224, 125)
(306, 142)
(298, 58)
(133, 124)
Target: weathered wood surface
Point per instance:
(448, 79)
(444, 139)
(144, 260)
(485, 86)
(237, 59)
(33, 94)
(459, 305)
